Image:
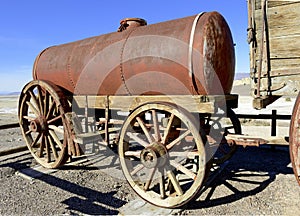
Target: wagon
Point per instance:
(273, 35)
(157, 95)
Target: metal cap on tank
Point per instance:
(131, 23)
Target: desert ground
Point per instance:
(256, 181)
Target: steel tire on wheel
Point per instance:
(162, 154)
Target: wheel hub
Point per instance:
(38, 125)
(154, 155)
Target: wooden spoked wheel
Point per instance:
(295, 139)
(219, 127)
(162, 154)
(41, 115)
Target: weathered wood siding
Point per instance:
(281, 44)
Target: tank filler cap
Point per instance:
(128, 23)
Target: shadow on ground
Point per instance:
(83, 199)
(249, 172)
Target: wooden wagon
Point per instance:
(274, 38)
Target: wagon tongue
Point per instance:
(244, 140)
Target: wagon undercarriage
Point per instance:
(166, 144)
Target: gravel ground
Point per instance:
(71, 190)
(256, 181)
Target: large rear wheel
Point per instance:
(42, 120)
(295, 139)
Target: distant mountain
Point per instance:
(239, 76)
(9, 93)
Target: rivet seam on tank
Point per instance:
(69, 74)
(190, 53)
(121, 61)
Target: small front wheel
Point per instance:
(162, 154)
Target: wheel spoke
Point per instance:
(183, 169)
(56, 139)
(148, 183)
(175, 183)
(28, 118)
(56, 129)
(137, 169)
(36, 140)
(156, 126)
(35, 111)
(33, 97)
(133, 153)
(190, 155)
(176, 141)
(40, 97)
(52, 147)
(137, 139)
(48, 153)
(54, 119)
(51, 109)
(146, 132)
(162, 184)
(28, 132)
(168, 129)
(42, 146)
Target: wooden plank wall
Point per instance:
(283, 33)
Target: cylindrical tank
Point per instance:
(192, 55)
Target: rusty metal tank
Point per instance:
(192, 55)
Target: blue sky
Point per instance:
(29, 26)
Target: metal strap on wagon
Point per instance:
(191, 42)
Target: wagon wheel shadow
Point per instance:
(248, 173)
(103, 159)
(82, 199)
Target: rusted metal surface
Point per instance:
(146, 60)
